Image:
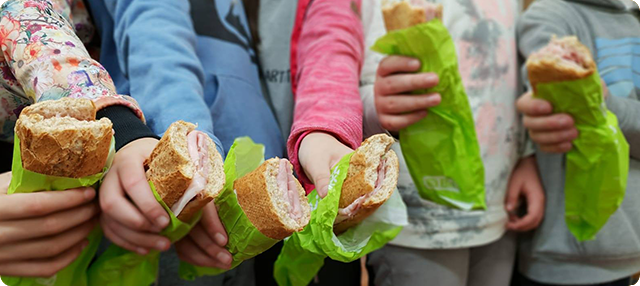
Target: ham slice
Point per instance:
(352, 209)
(568, 54)
(289, 188)
(199, 154)
(430, 9)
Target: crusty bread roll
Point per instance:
(270, 206)
(62, 138)
(563, 59)
(405, 14)
(172, 170)
(372, 177)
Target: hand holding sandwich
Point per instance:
(131, 216)
(204, 246)
(319, 152)
(396, 78)
(43, 232)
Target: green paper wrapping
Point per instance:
(25, 181)
(304, 252)
(598, 165)
(245, 240)
(120, 267)
(441, 150)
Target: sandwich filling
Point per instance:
(430, 9)
(199, 154)
(289, 189)
(352, 209)
(567, 53)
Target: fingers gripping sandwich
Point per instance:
(563, 59)
(186, 169)
(405, 14)
(63, 138)
(273, 199)
(371, 179)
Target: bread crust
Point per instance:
(356, 185)
(169, 170)
(402, 15)
(547, 69)
(72, 151)
(79, 108)
(370, 205)
(255, 201)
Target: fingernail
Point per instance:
(162, 221)
(414, 64)
(141, 251)
(161, 245)
(543, 108)
(89, 193)
(509, 207)
(220, 239)
(224, 257)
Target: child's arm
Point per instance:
(156, 42)
(554, 132)
(43, 232)
(326, 55)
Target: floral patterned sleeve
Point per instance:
(43, 58)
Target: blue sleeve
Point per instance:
(156, 46)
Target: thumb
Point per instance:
(321, 182)
(513, 194)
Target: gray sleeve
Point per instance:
(540, 22)
(628, 113)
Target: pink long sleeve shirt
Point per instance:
(326, 58)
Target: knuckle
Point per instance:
(107, 204)
(35, 206)
(51, 225)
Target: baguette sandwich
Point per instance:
(63, 138)
(405, 14)
(563, 59)
(186, 169)
(273, 199)
(372, 176)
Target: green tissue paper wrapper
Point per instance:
(441, 150)
(121, 267)
(245, 240)
(304, 252)
(598, 165)
(25, 181)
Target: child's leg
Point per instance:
(492, 264)
(393, 265)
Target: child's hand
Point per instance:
(204, 246)
(318, 153)
(525, 183)
(131, 216)
(43, 232)
(553, 132)
(397, 108)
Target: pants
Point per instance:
(332, 273)
(524, 281)
(490, 264)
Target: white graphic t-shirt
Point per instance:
(485, 39)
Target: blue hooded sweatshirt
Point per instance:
(188, 60)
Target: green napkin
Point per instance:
(598, 165)
(441, 150)
(304, 252)
(120, 267)
(245, 240)
(25, 181)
